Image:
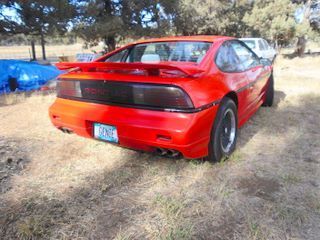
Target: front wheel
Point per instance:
(224, 132)
(269, 93)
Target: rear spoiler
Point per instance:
(189, 70)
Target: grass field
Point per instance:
(52, 51)
(59, 186)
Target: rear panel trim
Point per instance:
(193, 110)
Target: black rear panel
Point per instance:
(108, 92)
(159, 96)
(163, 97)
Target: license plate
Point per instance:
(105, 132)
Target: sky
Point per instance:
(9, 12)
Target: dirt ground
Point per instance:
(59, 186)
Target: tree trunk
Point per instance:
(43, 46)
(302, 41)
(33, 50)
(301, 46)
(110, 41)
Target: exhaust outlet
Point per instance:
(170, 153)
(66, 130)
(162, 151)
(173, 153)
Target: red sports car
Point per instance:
(174, 96)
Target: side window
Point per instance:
(266, 44)
(227, 60)
(137, 52)
(261, 45)
(246, 56)
(117, 57)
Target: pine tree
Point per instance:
(275, 20)
(211, 17)
(37, 18)
(113, 20)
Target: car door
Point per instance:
(230, 65)
(255, 73)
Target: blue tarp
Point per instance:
(29, 75)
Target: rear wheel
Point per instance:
(270, 93)
(224, 132)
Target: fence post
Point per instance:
(33, 50)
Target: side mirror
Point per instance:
(265, 62)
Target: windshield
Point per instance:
(250, 43)
(163, 52)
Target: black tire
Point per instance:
(217, 148)
(268, 102)
(13, 84)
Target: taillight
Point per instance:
(69, 88)
(166, 97)
(161, 96)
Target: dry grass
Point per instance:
(59, 186)
(13, 52)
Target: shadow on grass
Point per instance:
(279, 96)
(267, 210)
(105, 202)
(13, 159)
(256, 123)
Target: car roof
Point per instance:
(199, 38)
(253, 39)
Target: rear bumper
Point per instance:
(188, 133)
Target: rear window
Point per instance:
(250, 43)
(163, 52)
